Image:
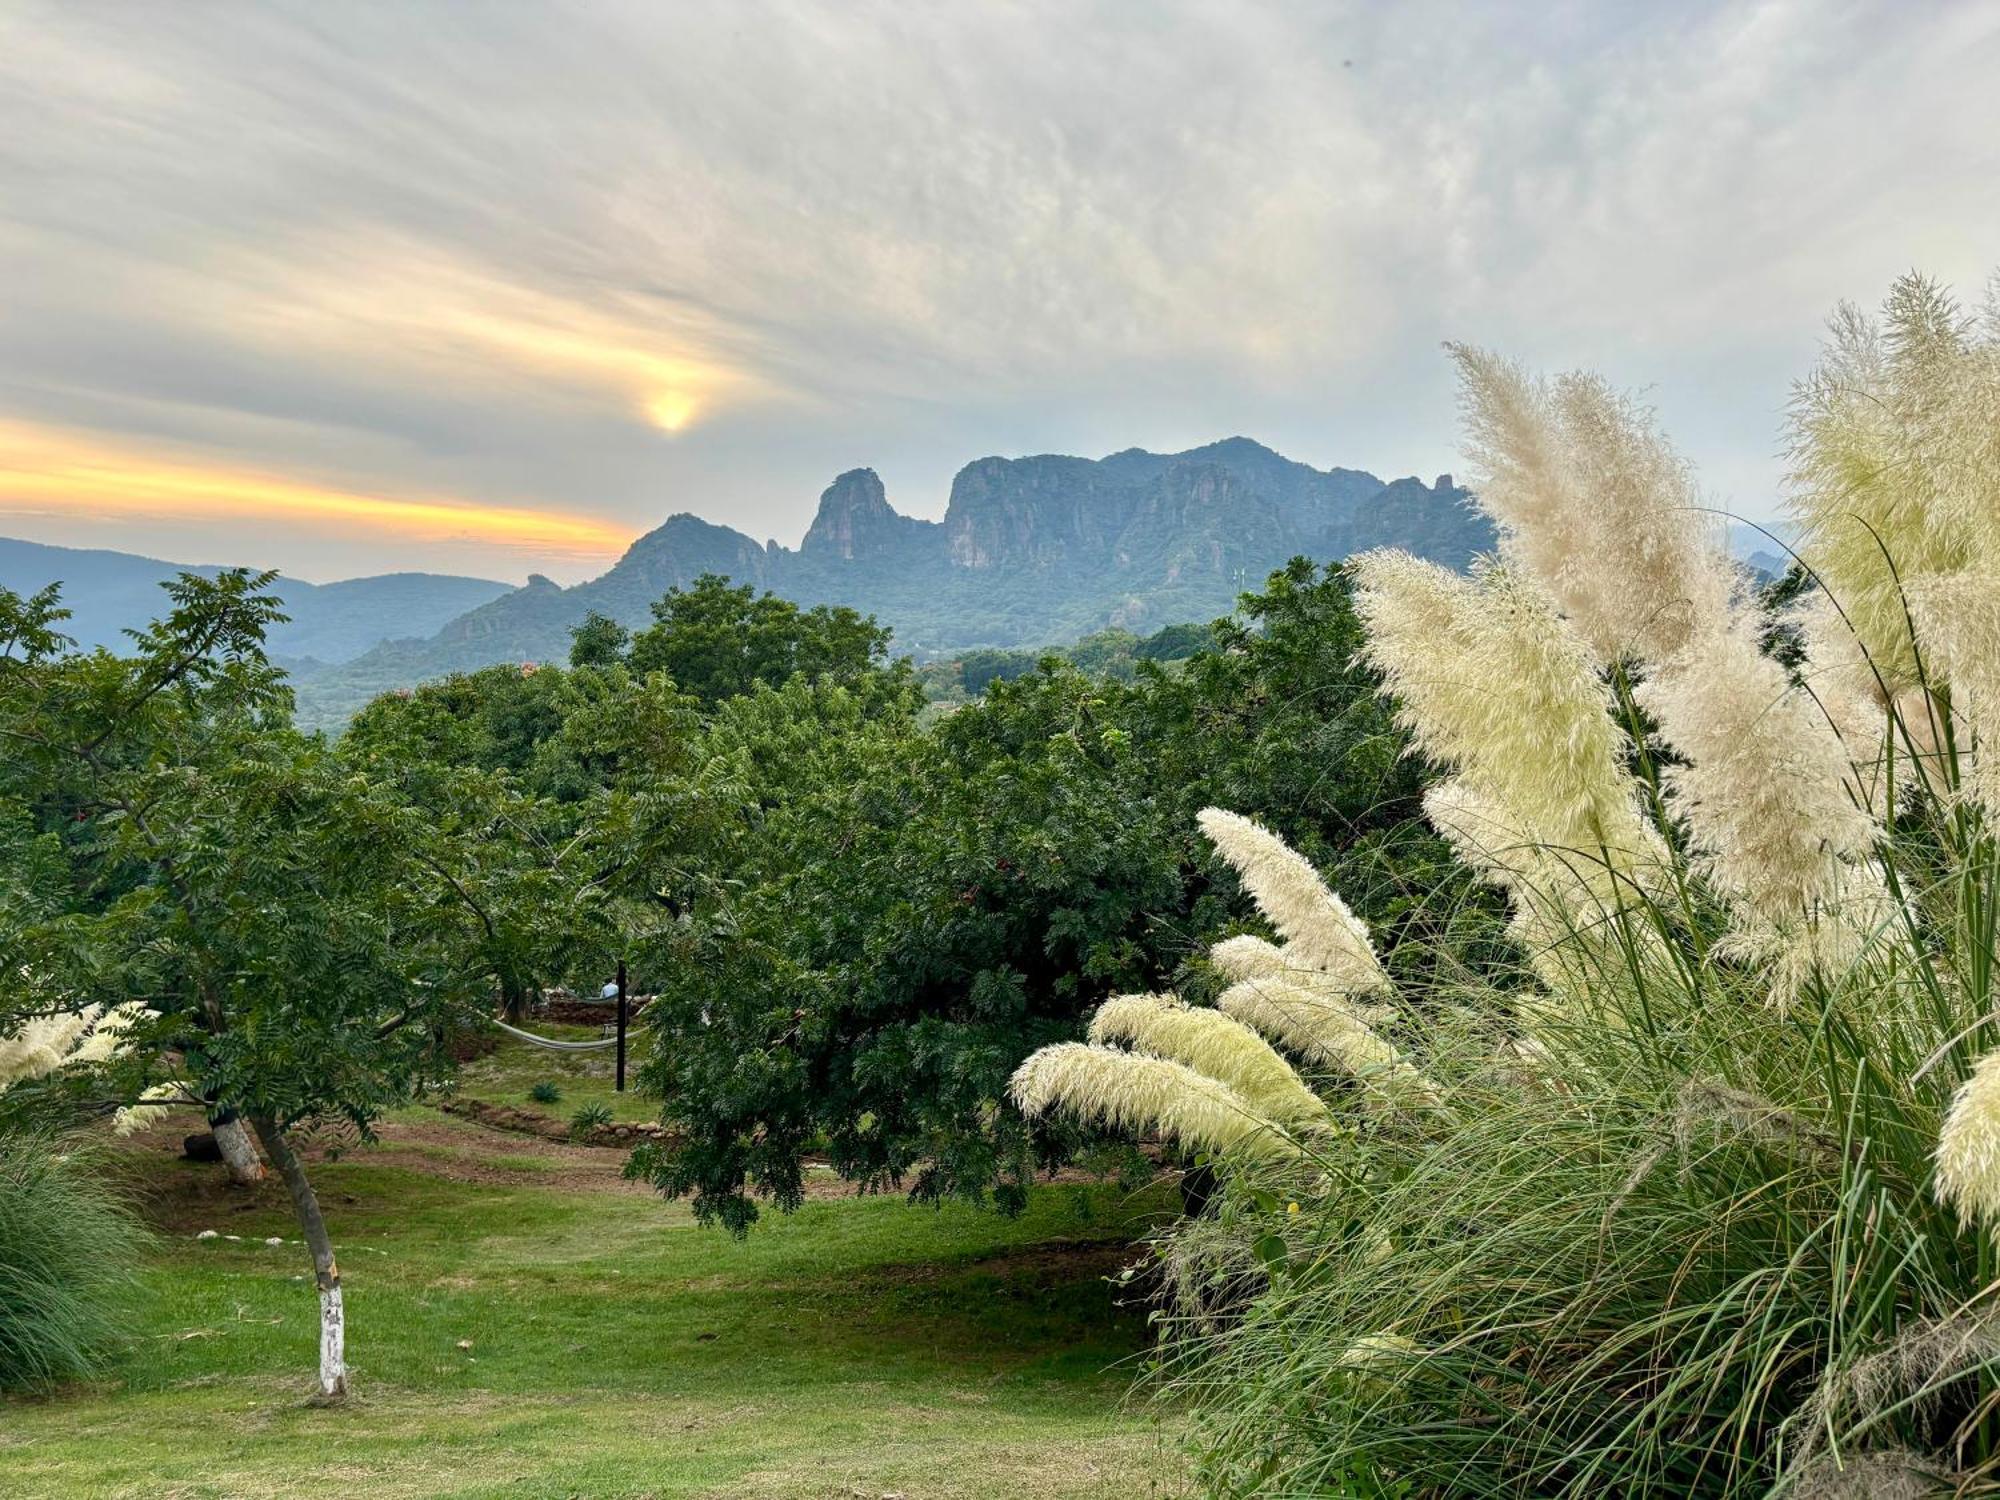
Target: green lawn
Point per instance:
(505, 1075)
(550, 1331)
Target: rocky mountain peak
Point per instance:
(854, 519)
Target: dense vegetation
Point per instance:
(1702, 1202)
(859, 915)
(1628, 1122)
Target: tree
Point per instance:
(907, 911)
(599, 641)
(293, 928)
(718, 642)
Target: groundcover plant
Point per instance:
(1698, 1198)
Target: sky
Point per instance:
(494, 288)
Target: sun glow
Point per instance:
(670, 411)
(660, 361)
(45, 471)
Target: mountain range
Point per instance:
(108, 593)
(1030, 551)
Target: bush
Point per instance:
(67, 1248)
(545, 1092)
(589, 1118)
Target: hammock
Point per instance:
(555, 1046)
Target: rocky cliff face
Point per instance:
(856, 522)
(1031, 551)
(1034, 512)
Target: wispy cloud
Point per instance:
(632, 258)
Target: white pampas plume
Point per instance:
(1763, 782)
(1851, 698)
(107, 1034)
(1958, 627)
(1214, 1045)
(89, 1034)
(1329, 1033)
(1247, 957)
(1495, 684)
(1324, 1031)
(1129, 1091)
(1968, 1151)
(1880, 432)
(1594, 503)
(153, 1105)
(1484, 837)
(1319, 930)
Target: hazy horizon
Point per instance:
(420, 288)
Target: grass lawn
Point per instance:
(523, 1323)
(505, 1075)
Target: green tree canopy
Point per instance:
(717, 641)
(911, 909)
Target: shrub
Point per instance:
(1704, 1203)
(545, 1092)
(67, 1248)
(589, 1118)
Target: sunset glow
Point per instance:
(655, 363)
(47, 472)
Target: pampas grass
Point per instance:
(1212, 1044)
(67, 1249)
(1494, 684)
(1320, 933)
(1655, 1235)
(1142, 1095)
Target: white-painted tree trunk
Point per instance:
(332, 1342)
(326, 1271)
(238, 1151)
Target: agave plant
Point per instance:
(1701, 1200)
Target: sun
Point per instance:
(670, 410)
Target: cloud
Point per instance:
(634, 258)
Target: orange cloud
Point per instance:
(44, 471)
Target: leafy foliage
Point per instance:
(716, 641)
(303, 936)
(912, 910)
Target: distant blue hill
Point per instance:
(108, 593)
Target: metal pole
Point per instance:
(621, 1026)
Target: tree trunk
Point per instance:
(332, 1316)
(1198, 1186)
(237, 1150)
(514, 999)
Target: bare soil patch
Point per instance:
(190, 1197)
